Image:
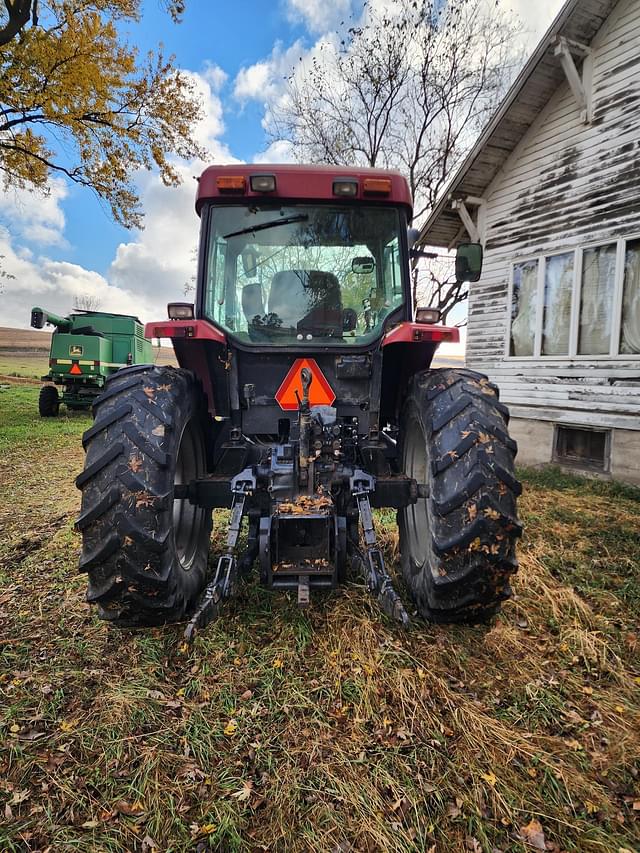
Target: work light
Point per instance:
(180, 310)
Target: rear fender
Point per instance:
(407, 349)
(198, 345)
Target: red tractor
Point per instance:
(304, 398)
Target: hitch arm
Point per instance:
(378, 580)
(225, 579)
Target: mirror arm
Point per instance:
(417, 253)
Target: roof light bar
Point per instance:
(262, 183)
(230, 183)
(346, 187)
(377, 186)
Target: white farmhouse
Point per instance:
(552, 190)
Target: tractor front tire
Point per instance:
(144, 551)
(49, 401)
(458, 544)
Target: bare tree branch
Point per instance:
(407, 90)
(19, 12)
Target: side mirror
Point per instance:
(412, 236)
(363, 266)
(468, 262)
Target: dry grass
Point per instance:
(320, 730)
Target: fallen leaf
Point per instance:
(231, 728)
(277, 664)
(246, 695)
(490, 778)
(90, 824)
(129, 809)
(19, 797)
(533, 834)
(244, 793)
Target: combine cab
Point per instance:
(304, 399)
(86, 348)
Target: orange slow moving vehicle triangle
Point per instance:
(320, 392)
(76, 369)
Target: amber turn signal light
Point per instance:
(230, 183)
(377, 186)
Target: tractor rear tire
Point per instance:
(49, 401)
(144, 551)
(458, 544)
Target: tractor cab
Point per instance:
(304, 266)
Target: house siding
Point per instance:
(567, 184)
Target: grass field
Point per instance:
(322, 730)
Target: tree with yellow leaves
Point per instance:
(76, 100)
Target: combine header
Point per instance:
(304, 399)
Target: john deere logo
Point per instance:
(75, 350)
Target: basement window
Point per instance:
(582, 448)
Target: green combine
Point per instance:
(86, 348)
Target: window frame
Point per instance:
(576, 293)
(582, 464)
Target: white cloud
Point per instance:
(55, 285)
(279, 151)
(318, 16)
(536, 17)
(265, 81)
(36, 216)
(215, 76)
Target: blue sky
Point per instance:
(237, 53)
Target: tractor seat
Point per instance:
(295, 294)
(252, 304)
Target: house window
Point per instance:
(523, 307)
(596, 302)
(582, 303)
(584, 448)
(558, 286)
(630, 325)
